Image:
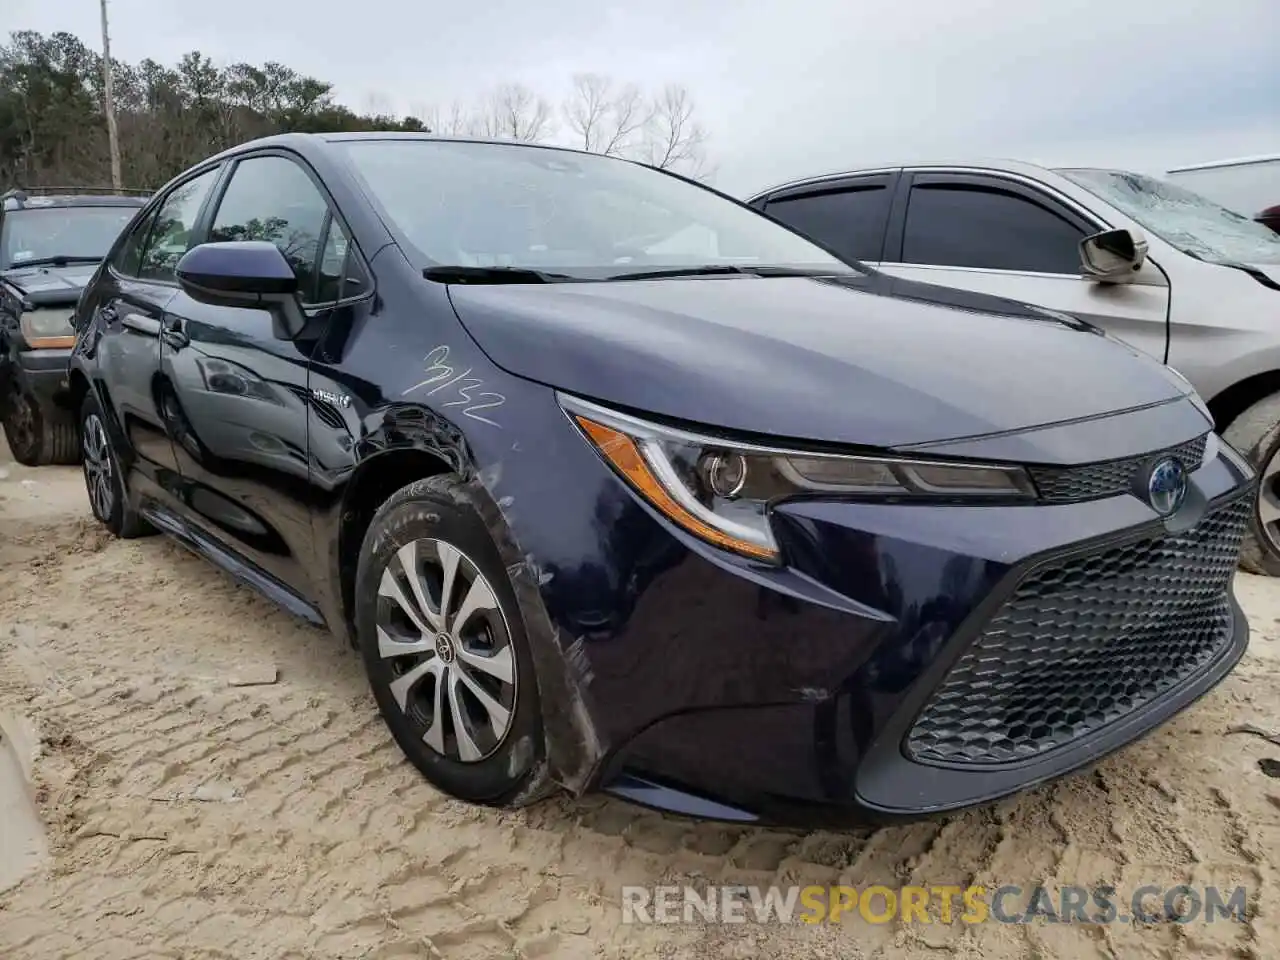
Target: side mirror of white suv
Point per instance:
(1113, 256)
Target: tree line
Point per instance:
(53, 127)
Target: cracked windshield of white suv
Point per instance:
(1184, 219)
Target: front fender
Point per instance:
(503, 479)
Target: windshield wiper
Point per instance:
(729, 269)
(1262, 277)
(459, 274)
(446, 273)
(709, 270)
(58, 261)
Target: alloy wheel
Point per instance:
(1269, 503)
(453, 667)
(99, 476)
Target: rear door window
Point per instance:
(849, 220)
(128, 257)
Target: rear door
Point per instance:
(849, 215)
(1012, 238)
(136, 286)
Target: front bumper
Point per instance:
(915, 660)
(43, 374)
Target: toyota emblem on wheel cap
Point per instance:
(1167, 486)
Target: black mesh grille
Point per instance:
(1095, 480)
(1086, 642)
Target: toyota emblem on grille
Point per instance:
(1167, 486)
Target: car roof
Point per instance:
(302, 142)
(996, 164)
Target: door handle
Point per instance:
(139, 323)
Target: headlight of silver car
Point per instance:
(721, 491)
(1218, 447)
(48, 328)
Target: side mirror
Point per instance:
(244, 273)
(19, 295)
(1113, 256)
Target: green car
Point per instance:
(52, 240)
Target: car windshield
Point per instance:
(580, 216)
(1182, 218)
(40, 234)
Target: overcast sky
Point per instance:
(784, 87)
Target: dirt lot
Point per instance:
(191, 818)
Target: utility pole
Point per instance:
(113, 135)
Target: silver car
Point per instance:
(1156, 265)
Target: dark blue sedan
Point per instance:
(616, 483)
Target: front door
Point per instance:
(239, 395)
(983, 233)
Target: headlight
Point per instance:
(224, 376)
(722, 490)
(47, 329)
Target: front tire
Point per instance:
(1256, 435)
(445, 648)
(103, 478)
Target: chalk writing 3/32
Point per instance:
(442, 377)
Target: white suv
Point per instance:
(1158, 266)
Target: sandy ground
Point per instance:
(190, 818)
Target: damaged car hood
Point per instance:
(51, 286)
(866, 360)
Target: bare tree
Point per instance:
(377, 104)
(603, 117)
(53, 101)
(619, 120)
(674, 140)
(514, 112)
(424, 114)
(454, 121)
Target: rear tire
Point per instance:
(1256, 435)
(445, 647)
(37, 436)
(103, 478)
